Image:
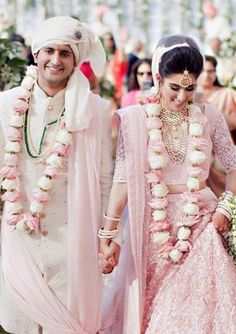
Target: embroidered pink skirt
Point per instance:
(198, 295)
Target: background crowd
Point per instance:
(127, 38)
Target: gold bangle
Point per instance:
(110, 218)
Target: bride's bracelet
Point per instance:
(224, 212)
(224, 205)
(226, 195)
(106, 234)
(114, 235)
(111, 218)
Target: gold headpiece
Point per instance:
(185, 81)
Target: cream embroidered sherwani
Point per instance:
(49, 248)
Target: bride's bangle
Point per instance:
(111, 218)
(224, 204)
(106, 234)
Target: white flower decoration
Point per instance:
(193, 183)
(13, 207)
(28, 82)
(17, 121)
(191, 209)
(10, 185)
(54, 161)
(45, 183)
(157, 161)
(152, 109)
(32, 72)
(36, 207)
(197, 157)
(159, 190)
(155, 134)
(175, 255)
(23, 93)
(184, 233)
(196, 129)
(10, 159)
(161, 238)
(159, 215)
(13, 146)
(64, 137)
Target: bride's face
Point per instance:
(174, 96)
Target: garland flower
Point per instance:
(173, 247)
(11, 184)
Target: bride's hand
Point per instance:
(220, 222)
(108, 256)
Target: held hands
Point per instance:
(108, 255)
(220, 222)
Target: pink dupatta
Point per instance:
(128, 312)
(21, 273)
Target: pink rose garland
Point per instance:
(169, 246)
(14, 213)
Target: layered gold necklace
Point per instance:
(173, 119)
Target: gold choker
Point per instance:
(174, 118)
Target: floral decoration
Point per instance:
(173, 247)
(11, 184)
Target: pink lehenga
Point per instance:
(197, 295)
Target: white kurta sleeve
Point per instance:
(107, 164)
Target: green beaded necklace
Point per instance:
(26, 138)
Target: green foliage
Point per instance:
(2, 331)
(12, 65)
(107, 88)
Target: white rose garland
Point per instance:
(15, 215)
(159, 191)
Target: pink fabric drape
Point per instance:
(84, 204)
(21, 273)
(127, 305)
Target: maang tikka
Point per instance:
(186, 80)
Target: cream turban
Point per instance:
(86, 46)
(65, 30)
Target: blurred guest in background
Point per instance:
(211, 91)
(135, 53)
(140, 80)
(116, 66)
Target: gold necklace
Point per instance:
(176, 154)
(173, 118)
